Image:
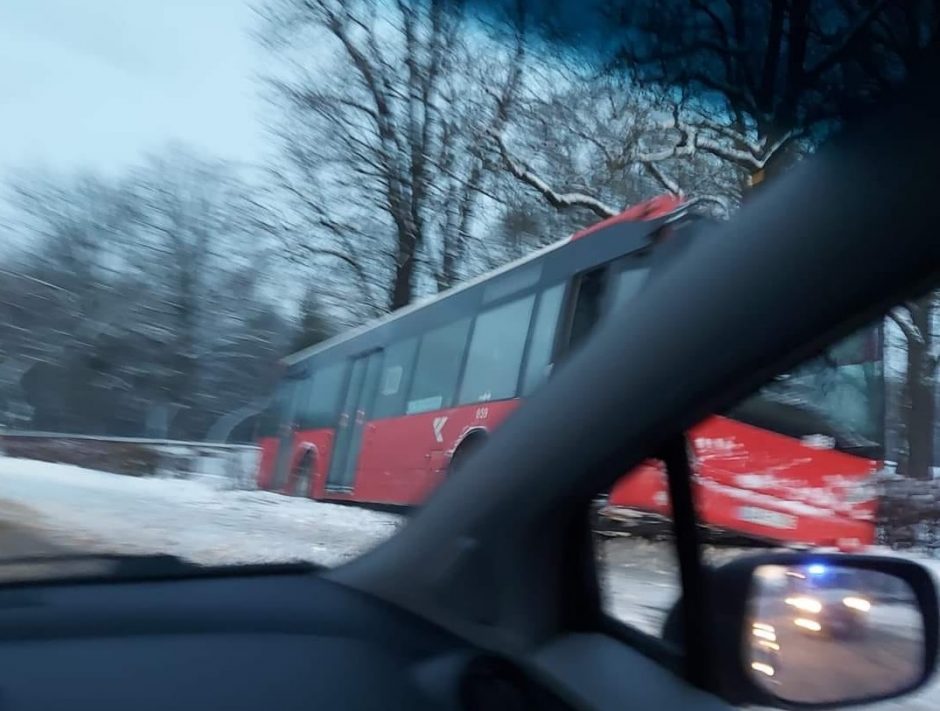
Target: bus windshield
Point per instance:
(278, 410)
(835, 399)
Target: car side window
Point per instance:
(635, 547)
(790, 464)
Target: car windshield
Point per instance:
(271, 271)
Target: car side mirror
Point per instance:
(811, 630)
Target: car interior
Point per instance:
(488, 598)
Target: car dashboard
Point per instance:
(292, 640)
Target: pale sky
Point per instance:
(96, 83)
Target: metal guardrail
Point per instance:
(130, 440)
(229, 465)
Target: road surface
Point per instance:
(811, 668)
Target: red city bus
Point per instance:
(383, 413)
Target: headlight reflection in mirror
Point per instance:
(828, 633)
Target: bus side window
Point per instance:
(496, 349)
(541, 345)
(320, 404)
(393, 385)
(438, 368)
(626, 284)
(589, 301)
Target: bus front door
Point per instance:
(357, 407)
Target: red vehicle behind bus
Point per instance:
(383, 413)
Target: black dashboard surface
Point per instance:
(276, 638)
(265, 641)
(287, 640)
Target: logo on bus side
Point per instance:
(438, 425)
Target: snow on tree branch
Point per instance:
(732, 134)
(554, 198)
(692, 136)
(669, 184)
(769, 153)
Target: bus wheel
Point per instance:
(467, 447)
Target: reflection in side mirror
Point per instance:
(825, 632)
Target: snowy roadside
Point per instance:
(93, 511)
(96, 511)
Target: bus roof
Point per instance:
(418, 304)
(653, 209)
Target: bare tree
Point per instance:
(313, 326)
(741, 90)
(385, 109)
(193, 219)
(917, 323)
(754, 85)
(61, 290)
(901, 34)
(597, 143)
(137, 305)
(762, 76)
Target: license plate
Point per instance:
(763, 517)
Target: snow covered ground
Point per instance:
(98, 511)
(71, 507)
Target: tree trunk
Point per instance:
(919, 400)
(447, 276)
(403, 286)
